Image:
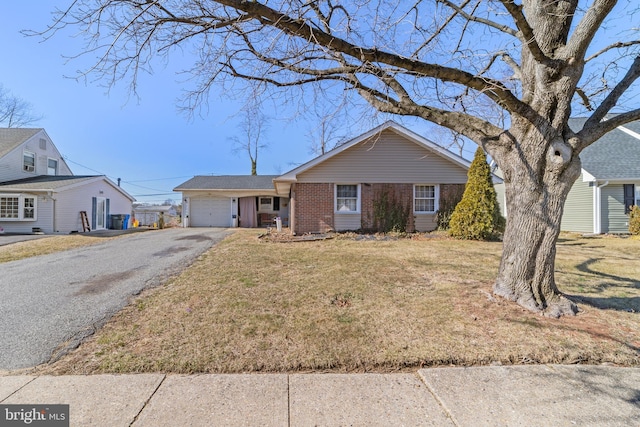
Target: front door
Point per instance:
(101, 213)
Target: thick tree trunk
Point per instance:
(535, 191)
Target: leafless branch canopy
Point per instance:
(462, 64)
(14, 111)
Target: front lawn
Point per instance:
(348, 304)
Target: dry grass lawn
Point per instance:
(350, 305)
(46, 245)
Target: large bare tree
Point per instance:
(251, 129)
(503, 73)
(14, 111)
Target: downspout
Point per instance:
(597, 209)
(53, 212)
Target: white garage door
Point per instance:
(210, 212)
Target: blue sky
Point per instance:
(146, 142)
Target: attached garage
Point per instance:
(232, 201)
(210, 212)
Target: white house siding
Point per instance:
(578, 208)
(210, 211)
(347, 222)
(11, 166)
(500, 195)
(70, 202)
(44, 215)
(614, 220)
(388, 158)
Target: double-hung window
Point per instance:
(347, 198)
(52, 167)
(266, 204)
(17, 207)
(425, 199)
(28, 162)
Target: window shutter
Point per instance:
(94, 207)
(276, 203)
(629, 197)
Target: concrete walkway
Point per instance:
(542, 395)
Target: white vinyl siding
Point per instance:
(70, 202)
(388, 158)
(578, 208)
(12, 164)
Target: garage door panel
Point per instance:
(210, 212)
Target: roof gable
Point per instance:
(615, 156)
(356, 158)
(11, 138)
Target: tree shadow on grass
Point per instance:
(585, 267)
(626, 304)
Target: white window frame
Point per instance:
(335, 199)
(55, 172)
(435, 198)
(26, 168)
(265, 208)
(22, 207)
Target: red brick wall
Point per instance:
(313, 205)
(403, 192)
(313, 208)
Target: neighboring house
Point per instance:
(608, 185)
(232, 201)
(38, 191)
(336, 191)
(150, 214)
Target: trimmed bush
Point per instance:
(477, 216)
(634, 221)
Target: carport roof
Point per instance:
(228, 182)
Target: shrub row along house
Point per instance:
(39, 193)
(392, 173)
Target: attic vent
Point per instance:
(43, 144)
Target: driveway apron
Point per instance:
(50, 303)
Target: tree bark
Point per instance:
(536, 188)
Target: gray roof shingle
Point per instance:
(615, 156)
(228, 182)
(45, 182)
(10, 138)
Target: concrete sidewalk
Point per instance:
(539, 395)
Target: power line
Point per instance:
(162, 179)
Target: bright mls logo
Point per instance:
(34, 415)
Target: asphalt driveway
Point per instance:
(50, 303)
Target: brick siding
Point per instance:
(314, 208)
